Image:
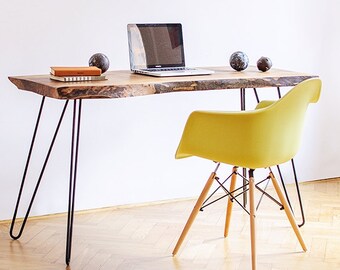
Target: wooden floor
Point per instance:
(142, 238)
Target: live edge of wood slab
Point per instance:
(123, 83)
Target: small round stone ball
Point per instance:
(239, 61)
(264, 64)
(100, 60)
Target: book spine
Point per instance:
(76, 73)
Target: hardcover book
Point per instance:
(77, 78)
(74, 71)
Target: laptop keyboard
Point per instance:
(169, 69)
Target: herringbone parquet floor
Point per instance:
(143, 237)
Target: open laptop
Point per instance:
(157, 50)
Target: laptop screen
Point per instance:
(155, 45)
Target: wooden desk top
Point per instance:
(123, 83)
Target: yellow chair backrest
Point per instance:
(267, 136)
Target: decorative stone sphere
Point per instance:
(239, 61)
(264, 64)
(100, 60)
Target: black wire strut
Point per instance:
(73, 177)
(15, 237)
(294, 172)
(244, 186)
(234, 197)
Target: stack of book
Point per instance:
(76, 74)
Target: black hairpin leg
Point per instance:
(299, 195)
(244, 170)
(296, 182)
(256, 95)
(278, 167)
(73, 175)
(294, 172)
(41, 173)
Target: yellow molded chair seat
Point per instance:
(253, 139)
(267, 136)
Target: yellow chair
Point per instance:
(260, 138)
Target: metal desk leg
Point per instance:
(73, 176)
(244, 170)
(299, 195)
(41, 173)
(296, 181)
(294, 172)
(278, 167)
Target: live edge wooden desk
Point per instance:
(121, 84)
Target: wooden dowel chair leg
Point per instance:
(230, 202)
(252, 219)
(288, 211)
(194, 212)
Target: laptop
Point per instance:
(157, 50)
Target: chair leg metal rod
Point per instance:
(212, 202)
(233, 198)
(73, 176)
(269, 196)
(41, 173)
(212, 194)
(262, 194)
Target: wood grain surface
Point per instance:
(142, 237)
(123, 83)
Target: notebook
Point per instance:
(157, 50)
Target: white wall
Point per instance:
(127, 145)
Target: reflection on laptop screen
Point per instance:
(155, 45)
